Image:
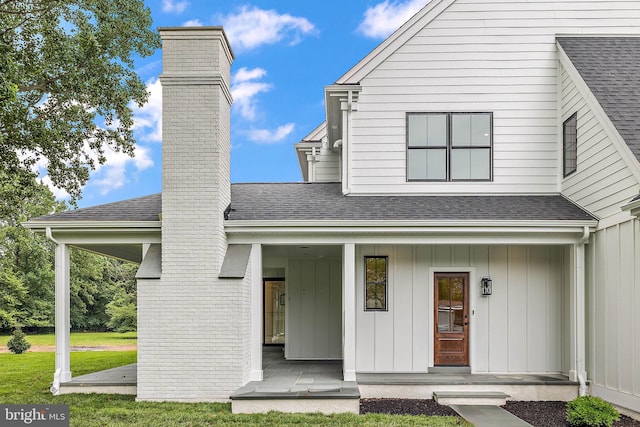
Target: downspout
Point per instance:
(582, 381)
(55, 386)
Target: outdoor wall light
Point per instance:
(485, 286)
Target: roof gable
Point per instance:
(610, 67)
(385, 49)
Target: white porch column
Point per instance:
(256, 312)
(349, 311)
(577, 328)
(63, 319)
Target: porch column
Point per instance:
(256, 312)
(577, 328)
(349, 312)
(63, 319)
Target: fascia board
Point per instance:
(621, 146)
(392, 43)
(409, 224)
(84, 225)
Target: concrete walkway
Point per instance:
(488, 416)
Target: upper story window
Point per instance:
(570, 145)
(449, 146)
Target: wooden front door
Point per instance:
(451, 319)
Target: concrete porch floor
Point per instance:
(297, 386)
(119, 380)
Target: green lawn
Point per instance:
(88, 339)
(26, 378)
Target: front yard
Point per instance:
(26, 378)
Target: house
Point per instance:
(470, 206)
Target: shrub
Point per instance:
(591, 411)
(18, 343)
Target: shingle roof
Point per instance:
(303, 201)
(320, 201)
(145, 208)
(610, 66)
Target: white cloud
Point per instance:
(59, 193)
(193, 23)
(386, 17)
(251, 27)
(266, 136)
(245, 90)
(113, 173)
(147, 120)
(172, 6)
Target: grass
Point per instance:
(87, 339)
(25, 378)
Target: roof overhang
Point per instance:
(409, 232)
(115, 239)
(338, 98)
(633, 207)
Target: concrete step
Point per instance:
(486, 398)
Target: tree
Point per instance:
(67, 82)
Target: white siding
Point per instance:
(497, 56)
(602, 181)
(314, 309)
(613, 318)
(517, 329)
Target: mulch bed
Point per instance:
(538, 414)
(553, 414)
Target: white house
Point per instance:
(486, 147)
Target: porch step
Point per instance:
(494, 398)
(450, 370)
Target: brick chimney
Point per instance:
(186, 328)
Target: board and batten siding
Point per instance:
(522, 327)
(313, 328)
(613, 318)
(478, 56)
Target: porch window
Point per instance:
(570, 144)
(449, 146)
(375, 283)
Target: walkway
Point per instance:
(488, 416)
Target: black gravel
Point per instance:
(538, 414)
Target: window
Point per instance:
(375, 273)
(570, 145)
(449, 146)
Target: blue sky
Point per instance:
(286, 51)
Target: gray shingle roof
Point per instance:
(146, 208)
(303, 201)
(610, 66)
(318, 201)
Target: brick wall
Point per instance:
(193, 331)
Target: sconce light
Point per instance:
(485, 286)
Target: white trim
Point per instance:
(625, 152)
(390, 224)
(472, 308)
(62, 316)
(256, 312)
(615, 219)
(81, 225)
(349, 311)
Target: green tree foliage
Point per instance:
(27, 280)
(122, 310)
(26, 261)
(67, 83)
(18, 343)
